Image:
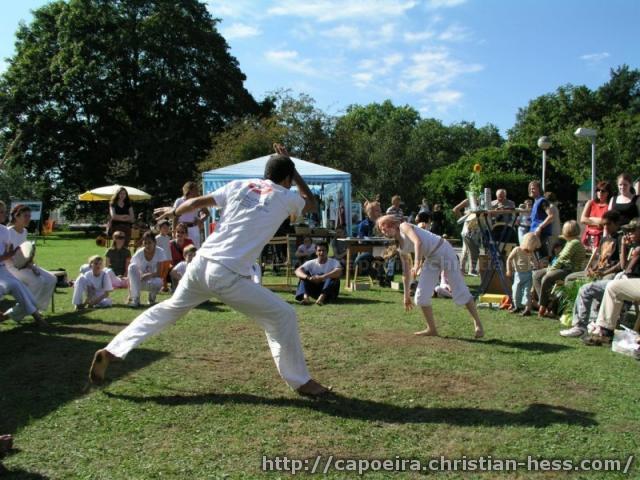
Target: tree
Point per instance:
(126, 90)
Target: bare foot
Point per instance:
(99, 366)
(526, 313)
(479, 332)
(313, 389)
(320, 300)
(426, 333)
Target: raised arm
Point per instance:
(187, 206)
(310, 204)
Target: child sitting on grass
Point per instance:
(522, 261)
(180, 269)
(95, 283)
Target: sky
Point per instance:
(454, 60)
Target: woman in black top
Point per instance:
(626, 203)
(121, 214)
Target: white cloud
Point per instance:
(439, 102)
(415, 37)
(434, 4)
(333, 10)
(454, 33)
(239, 30)
(362, 79)
(346, 34)
(231, 8)
(594, 58)
(434, 68)
(290, 60)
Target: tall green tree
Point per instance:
(119, 90)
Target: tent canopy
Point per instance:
(315, 175)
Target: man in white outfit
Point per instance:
(252, 211)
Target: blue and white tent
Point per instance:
(327, 181)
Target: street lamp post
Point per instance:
(590, 133)
(544, 143)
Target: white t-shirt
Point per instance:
(4, 240)
(181, 268)
(314, 267)
(100, 284)
(17, 238)
(164, 242)
(429, 241)
(145, 265)
(185, 217)
(252, 212)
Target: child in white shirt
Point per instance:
(96, 284)
(180, 269)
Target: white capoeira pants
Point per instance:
(26, 304)
(444, 258)
(136, 284)
(81, 287)
(41, 287)
(205, 279)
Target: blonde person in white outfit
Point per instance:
(9, 283)
(145, 270)
(190, 218)
(252, 211)
(95, 284)
(40, 283)
(432, 254)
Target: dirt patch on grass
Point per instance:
(396, 338)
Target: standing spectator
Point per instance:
(522, 261)
(95, 284)
(144, 270)
(592, 215)
(319, 278)
(524, 219)
(470, 239)
(121, 215)
(541, 217)
(395, 209)
(39, 281)
(626, 202)
(163, 240)
(190, 219)
(424, 207)
(117, 260)
(556, 225)
(437, 219)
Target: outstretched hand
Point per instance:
(162, 212)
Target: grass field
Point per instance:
(204, 400)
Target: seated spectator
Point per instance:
(522, 261)
(339, 247)
(395, 209)
(605, 260)
(306, 251)
(144, 270)
(9, 283)
(502, 203)
(40, 282)
(556, 224)
(179, 270)
(423, 220)
(117, 260)
(570, 259)
(94, 284)
(592, 215)
(365, 261)
(615, 294)
(319, 278)
(179, 243)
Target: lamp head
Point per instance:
(586, 132)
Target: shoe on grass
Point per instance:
(573, 332)
(134, 303)
(313, 389)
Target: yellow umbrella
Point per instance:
(105, 193)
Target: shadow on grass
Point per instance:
(536, 415)
(21, 474)
(537, 347)
(43, 370)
